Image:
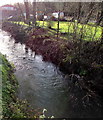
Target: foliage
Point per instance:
(17, 31)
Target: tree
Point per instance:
(21, 11)
(100, 14)
(27, 11)
(91, 8)
(79, 12)
(34, 12)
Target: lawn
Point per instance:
(88, 32)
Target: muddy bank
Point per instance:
(78, 60)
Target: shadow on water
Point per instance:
(44, 86)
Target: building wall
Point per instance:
(7, 11)
(8, 8)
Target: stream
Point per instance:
(44, 86)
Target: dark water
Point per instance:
(44, 86)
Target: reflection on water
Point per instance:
(43, 85)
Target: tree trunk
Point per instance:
(34, 12)
(27, 11)
(23, 17)
(58, 23)
(79, 12)
(102, 34)
(91, 8)
(100, 16)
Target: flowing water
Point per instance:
(44, 86)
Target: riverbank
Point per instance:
(81, 61)
(11, 105)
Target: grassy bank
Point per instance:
(11, 105)
(89, 32)
(9, 86)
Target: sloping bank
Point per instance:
(12, 106)
(82, 62)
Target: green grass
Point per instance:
(20, 23)
(88, 32)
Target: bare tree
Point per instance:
(100, 14)
(61, 7)
(58, 23)
(23, 17)
(34, 12)
(27, 11)
(79, 12)
(102, 36)
(91, 8)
